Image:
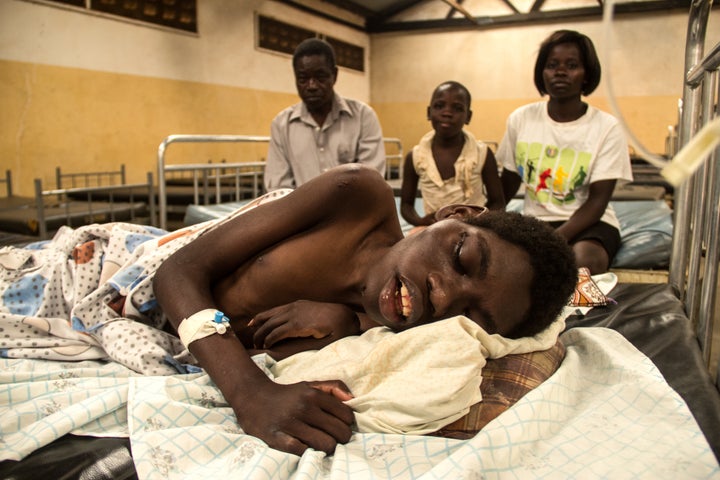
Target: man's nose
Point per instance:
(443, 294)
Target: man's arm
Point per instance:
(278, 173)
(371, 148)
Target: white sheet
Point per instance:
(416, 381)
(606, 413)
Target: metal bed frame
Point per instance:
(695, 248)
(207, 177)
(395, 161)
(82, 205)
(214, 173)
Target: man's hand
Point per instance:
(293, 418)
(304, 319)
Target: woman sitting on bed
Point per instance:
(568, 154)
(329, 260)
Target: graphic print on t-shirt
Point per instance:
(551, 174)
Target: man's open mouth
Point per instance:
(402, 300)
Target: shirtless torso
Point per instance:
(327, 261)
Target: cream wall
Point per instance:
(646, 71)
(89, 93)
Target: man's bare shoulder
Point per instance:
(353, 182)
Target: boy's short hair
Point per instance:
(590, 60)
(455, 85)
(314, 46)
(552, 261)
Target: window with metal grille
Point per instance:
(282, 37)
(179, 14)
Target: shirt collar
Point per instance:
(340, 105)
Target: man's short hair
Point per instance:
(552, 261)
(589, 57)
(315, 46)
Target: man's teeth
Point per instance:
(405, 300)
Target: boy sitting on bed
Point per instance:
(329, 260)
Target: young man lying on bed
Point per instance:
(329, 260)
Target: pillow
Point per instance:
(505, 381)
(587, 293)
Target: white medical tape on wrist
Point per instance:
(202, 324)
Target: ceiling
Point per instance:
(377, 16)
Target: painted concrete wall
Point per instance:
(89, 93)
(645, 71)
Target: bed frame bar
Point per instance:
(80, 212)
(8, 183)
(89, 179)
(394, 162)
(218, 168)
(695, 250)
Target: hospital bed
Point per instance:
(632, 399)
(219, 183)
(79, 199)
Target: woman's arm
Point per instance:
(589, 212)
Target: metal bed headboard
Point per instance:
(394, 160)
(695, 248)
(218, 167)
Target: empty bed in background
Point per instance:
(90, 202)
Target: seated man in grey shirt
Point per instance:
(325, 129)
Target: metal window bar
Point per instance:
(162, 168)
(695, 252)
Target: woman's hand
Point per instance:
(326, 322)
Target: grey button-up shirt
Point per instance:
(301, 150)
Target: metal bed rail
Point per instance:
(204, 175)
(394, 161)
(162, 168)
(89, 179)
(8, 183)
(77, 212)
(695, 249)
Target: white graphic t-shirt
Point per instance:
(558, 161)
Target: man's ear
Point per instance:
(459, 210)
